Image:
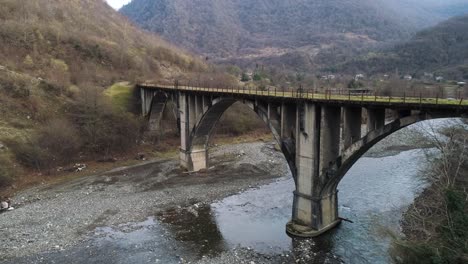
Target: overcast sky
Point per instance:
(117, 3)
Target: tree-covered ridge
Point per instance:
(296, 34)
(442, 49)
(226, 27)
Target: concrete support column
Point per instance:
(307, 159)
(185, 159)
(274, 117)
(198, 107)
(375, 119)
(288, 120)
(351, 132)
(329, 137)
(192, 111)
(199, 157)
(146, 99)
(314, 212)
(206, 103)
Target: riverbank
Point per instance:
(435, 224)
(58, 216)
(79, 218)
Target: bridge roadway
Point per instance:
(321, 135)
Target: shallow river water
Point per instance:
(373, 195)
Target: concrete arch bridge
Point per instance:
(321, 135)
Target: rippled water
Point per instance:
(372, 195)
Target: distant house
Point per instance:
(359, 77)
(461, 83)
(408, 77)
(439, 78)
(328, 77)
(428, 75)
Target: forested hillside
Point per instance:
(298, 34)
(56, 59)
(442, 49)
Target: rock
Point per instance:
(3, 205)
(77, 168)
(141, 156)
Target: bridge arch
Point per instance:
(203, 130)
(353, 153)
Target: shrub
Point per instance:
(29, 154)
(102, 127)
(6, 172)
(60, 139)
(245, 77)
(55, 144)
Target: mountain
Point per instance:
(297, 34)
(56, 60)
(442, 49)
(82, 41)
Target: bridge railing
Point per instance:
(415, 96)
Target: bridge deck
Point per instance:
(413, 102)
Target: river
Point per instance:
(249, 227)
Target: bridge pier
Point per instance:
(375, 118)
(351, 132)
(185, 153)
(318, 137)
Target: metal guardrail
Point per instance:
(329, 94)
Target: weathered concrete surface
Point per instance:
(351, 131)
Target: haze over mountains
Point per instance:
(302, 35)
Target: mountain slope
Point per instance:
(76, 41)
(56, 59)
(304, 33)
(442, 49)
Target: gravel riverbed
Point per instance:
(57, 217)
(52, 219)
